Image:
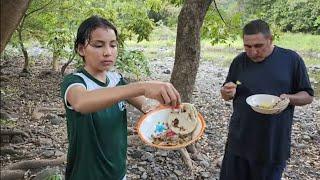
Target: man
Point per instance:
(258, 145)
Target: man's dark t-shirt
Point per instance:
(260, 137)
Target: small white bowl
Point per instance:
(146, 126)
(260, 103)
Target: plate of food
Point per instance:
(167, 128)
(267, 104)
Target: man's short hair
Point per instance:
(255, 27)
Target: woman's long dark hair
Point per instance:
(89, 25)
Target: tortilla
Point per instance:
(185, 120)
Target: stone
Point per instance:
(144, 175)
(17, 139)
(178, 172)
(147, 156)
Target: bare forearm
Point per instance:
(137, 102)
(93, 101)
(299, 99)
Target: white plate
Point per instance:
(258, 101)
(147, 124)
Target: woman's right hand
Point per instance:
(228, 90)
(164, 92)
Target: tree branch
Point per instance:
(63, 68)
(36, 164)
(216, 7)
(40, 8)
(12, 174)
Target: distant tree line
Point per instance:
(288, 15)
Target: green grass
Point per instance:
(295, 41)
(299, 42)
(161, 43)
(219, 56)
(311, 61)
(162, 36)
(303, 44)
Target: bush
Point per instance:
(133, 62)
(288, 15)
(167, 16)
(297, 16)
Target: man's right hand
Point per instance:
(228, 90)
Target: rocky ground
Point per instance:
(31, 105)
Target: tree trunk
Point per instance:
(55, 61)
(11, 13)
(187, 54)
(24, 50)
(64, 67)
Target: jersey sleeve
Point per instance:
(69, 81)
(301, 78)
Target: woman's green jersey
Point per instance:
(97, 141)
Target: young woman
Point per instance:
(94, 102)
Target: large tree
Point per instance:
(12, 12)
(187, 53)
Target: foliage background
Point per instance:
(52, 24)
